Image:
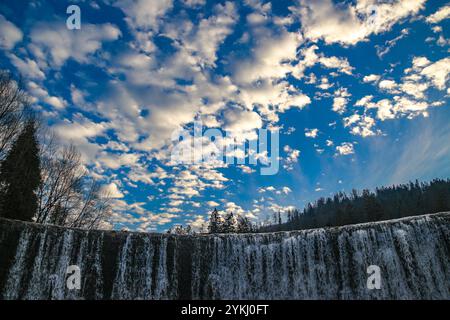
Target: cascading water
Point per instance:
(412, 253)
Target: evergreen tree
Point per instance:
(20, 176)
(215, 225)
(229, 223)
(188, 230)
(243, 225)
(373, 208)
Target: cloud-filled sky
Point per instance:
(357, 89)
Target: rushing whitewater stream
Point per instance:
(413, 255)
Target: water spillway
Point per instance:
(413, 255)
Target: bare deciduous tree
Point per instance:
(94, 207)
(67, 196)
(13, 102)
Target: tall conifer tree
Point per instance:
(215, 225)
(20, 176)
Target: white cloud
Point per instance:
(409, 107)
(349, 24)
(340, 100)
(256, 18)
(237, 120)
(39, 94)
(341, 64)
(272, 97)
(265, 189)
(283, 190)
(399, 106)
(271, 56)
(79, 128)
(117, 161)
(371, 78)
(111, 190)
(310, 58)
(198, 223)
(212, 203)
(194, 3)
(364, 101)
(388, 85)
(311, 133)
(27, 67)
(385, 109)
(442, 14)
(211, 33)
(360, 125)
(438, 73)
(345, 148)
(442, 41)
(260, 78)
(291, 158)
(325, 84)
(246, 169)
(55, 102)
(414, 89)
(420, 62)
(351, 120)
(286, 190)
(384, 49)
(10, 35)
(60, 44)
(153, 86)
(144, 14)
(409, 100)
(140, 172)
(236, 209)
(339, 104)
(175, 203)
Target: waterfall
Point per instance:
(413, 255)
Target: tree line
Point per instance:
(226, 222)
(40, 180)
(385, 203)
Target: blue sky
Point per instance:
(357, 89)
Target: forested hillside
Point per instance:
(383, 204)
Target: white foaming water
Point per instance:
(412, 253)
